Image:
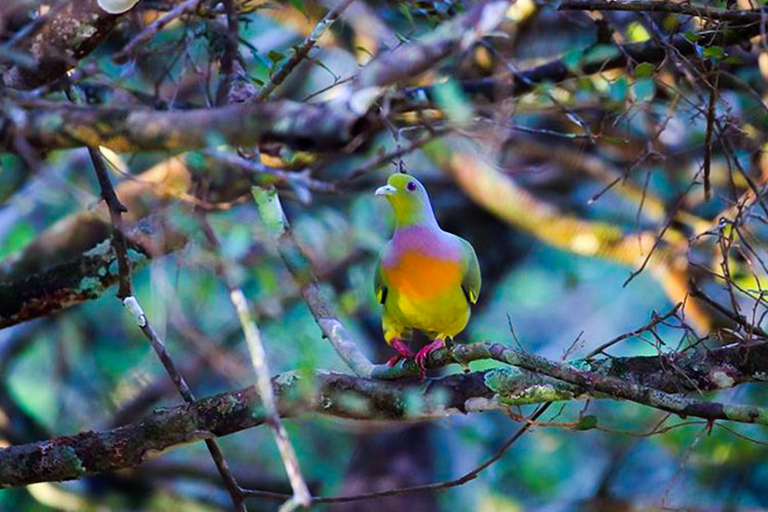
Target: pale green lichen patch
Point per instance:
(746, 414)
(102, 249)
(722, 380)
(514, 387)
(227, 405)
(581, 364)
(534, 394)
(502, 380)
(287, 379)
(353, 404)
(89, 285)
(480, 404)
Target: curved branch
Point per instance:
(556, 71)
(688, 9)
(350, 397)
(301, 126)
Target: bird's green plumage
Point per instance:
(472, 279)
(426, 278)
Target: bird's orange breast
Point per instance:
(422, 277)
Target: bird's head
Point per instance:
(409, 199)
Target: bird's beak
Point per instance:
(386, 190)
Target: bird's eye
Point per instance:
(411, 186)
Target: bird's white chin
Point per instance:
(385, 190)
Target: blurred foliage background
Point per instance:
(623, 148)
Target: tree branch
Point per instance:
(688, 9)
(345, 396)
(557, 71)
(73, 33)
(301, 126)
(81, 278)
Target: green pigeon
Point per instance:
(426, 278)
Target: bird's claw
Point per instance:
(423, 354)
(403, 352)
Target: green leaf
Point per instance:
(645, 69)
(364, 50)
(270, 210)
(587, 422)
(714, 53)
(450, 97)
(691, 36)
(637, 33)
(275, 56)
(299, 6)
(644, 89)
(618, 90)
(572, 60)
(403, 7)
(20, 235)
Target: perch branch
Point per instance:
(350, 397)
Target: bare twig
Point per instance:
(708, 136)
(116, 208)
(133, 306)
(230, 53)
(302, 51)
(653, 323)
(439, 486)
(272, 215)
(686, 8)
(153, 28)
(741, 320)
(301, 494)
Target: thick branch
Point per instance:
(301, 126)
(556, 71)
(84, 277)
(345, 396)
(688, 9)
(410, 60)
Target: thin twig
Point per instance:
(230, 53)
(708, 137)
(653, 323)
(739, 319)
(301, 52)
(437, 486)
(153, 28)
(116, 208)
(273, 217)
(685, 8)
(235, 491)
(301, 495)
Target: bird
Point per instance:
(426, 279)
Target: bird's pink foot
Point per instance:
(403, 352)
(423, 354)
